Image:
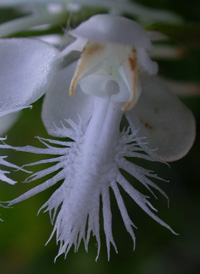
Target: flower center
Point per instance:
(100, 65)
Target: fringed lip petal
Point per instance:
(88, 169)
(4, 178)
(168, 125)
(27, 67)
(3, 162)
(58, 106)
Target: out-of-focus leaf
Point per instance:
(9, 14)
(185, 34)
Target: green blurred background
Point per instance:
(23, 234)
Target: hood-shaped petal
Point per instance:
(104, 28)
(167, 124)
(58, 106)
(27, 67)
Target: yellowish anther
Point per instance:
(90, 56)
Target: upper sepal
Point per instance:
(104, 28)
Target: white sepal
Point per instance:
(164, 120)
(27, 68)
(104, 28)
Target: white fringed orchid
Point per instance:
(112, 75)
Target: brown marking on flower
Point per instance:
(90, 49)
(132, 63)
(146, 124)
(128, 104)
(133, 68)
(134, 51)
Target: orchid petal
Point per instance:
(77, 45)
(7, 121)
(105, 28)
(129, 73)
(145, 62)
(58, 106)
(168, 125)
(27, 67)
(91, 55)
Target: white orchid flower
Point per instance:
(112, 75)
